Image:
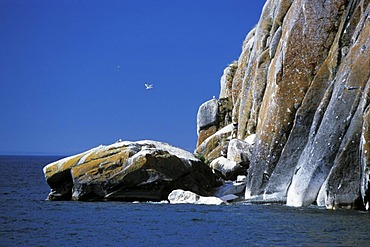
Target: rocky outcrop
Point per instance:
(292, 115)
(301, 86)
(127, 171)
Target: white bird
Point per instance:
(148, 86)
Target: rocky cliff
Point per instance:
(301, 89)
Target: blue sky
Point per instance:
(72, 72)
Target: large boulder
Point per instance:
(240, 151)
(227, 169)
(207, 114)
(207, 120)
(143, 170)
(212, 116)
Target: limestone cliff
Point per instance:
(302, 87)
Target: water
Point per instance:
(27, 219)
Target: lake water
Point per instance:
(27, 219)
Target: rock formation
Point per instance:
(301, 87)
(293, 115)
(128, 171)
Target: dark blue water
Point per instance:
(27, 219)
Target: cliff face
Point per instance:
(302, 86)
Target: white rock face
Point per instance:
(251, 139)
(181, 196)
(227, 168)
(181, 153)
(207, 114)
(239, 151)
(226, 80)
(229, 197)
(304, 188)
(241, 179)
(321, 197)
(275, 42)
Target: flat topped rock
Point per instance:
(144, 170)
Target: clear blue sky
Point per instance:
(72, 72)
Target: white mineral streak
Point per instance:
(89, 152)
(184, 155)
(322, 196)
(61, 162)
(251, 139)
(304, 187)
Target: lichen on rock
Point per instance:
(301, 87)
(127, 171)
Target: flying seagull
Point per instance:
(148, 86)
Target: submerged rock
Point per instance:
(129, 171)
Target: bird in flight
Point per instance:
(148, 86)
